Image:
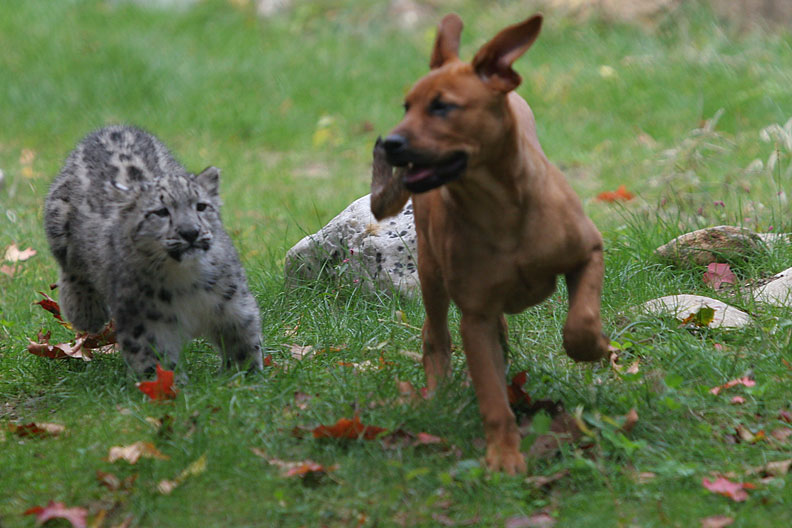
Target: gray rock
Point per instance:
(712, 244)
(354, 247)
(777, 292)
(683, 305)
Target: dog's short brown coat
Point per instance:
(496, 221)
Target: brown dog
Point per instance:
(496, 221)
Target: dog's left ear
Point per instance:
(493, 61)
(446, 46)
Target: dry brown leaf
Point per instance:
(781, 434)
(133, 452)
(195, 468)
(717, 521)
(540, 481)
(564, 429)
(37, 429)
(778, 468)
(537, 520)
(13, 254)
(300, 352)
(630, 420)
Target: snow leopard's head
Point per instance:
(176, 215)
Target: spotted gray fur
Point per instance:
(140, 240)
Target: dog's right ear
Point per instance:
(388, 194)
(446, 46)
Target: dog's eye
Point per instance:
(441, 108)
(406, 107)
(161, 212)
(200, 206)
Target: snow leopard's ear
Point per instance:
(209, 179)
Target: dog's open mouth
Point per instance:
(420, 178)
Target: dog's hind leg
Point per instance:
(583, 337)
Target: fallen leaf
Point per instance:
(717, 521)
(536, 520)
(517, 396)
(133, 452)
(734, 490)
(408, 394)
(785, 416)
(619, 195)
(8, 270)
(346, 428)
(718, 274)
(702, 318)
(300, 352)
(49, 304)
(737, 400)
(779, 468)
(268, 362)
(58, 510)
(445, 520)
(161, 388)
(644, 477)
(564, 429)
(743, 434)
(13, 254)
(113, 483)
(630, 420)
(540, 481)
(195, 468)
(37, 429)
(304, 468)
(781, 434)
(745, 380)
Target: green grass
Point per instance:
(222, 87)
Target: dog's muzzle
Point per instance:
(420, 172)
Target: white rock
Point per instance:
(683, 305)
(772, 240)
(382, 255)
(268, 8)
(778, 292)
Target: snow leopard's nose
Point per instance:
(188, 233)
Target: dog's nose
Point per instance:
(188, 233)
(395, 144)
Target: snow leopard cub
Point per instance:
(139, 240)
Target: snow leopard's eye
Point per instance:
(161, 212)
(201, 206)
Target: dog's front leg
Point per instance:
(583, 337)
(436, 345)
(486, 364)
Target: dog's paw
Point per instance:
(506, 459)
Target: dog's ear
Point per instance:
(446, 46)
(494, 60)
(388, 194)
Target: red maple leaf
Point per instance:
(718, 274)
(734, 490)
(51, 306)
(57, 510)
(517, 395)
(619, 195)
(346, 428)
(161, 388)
